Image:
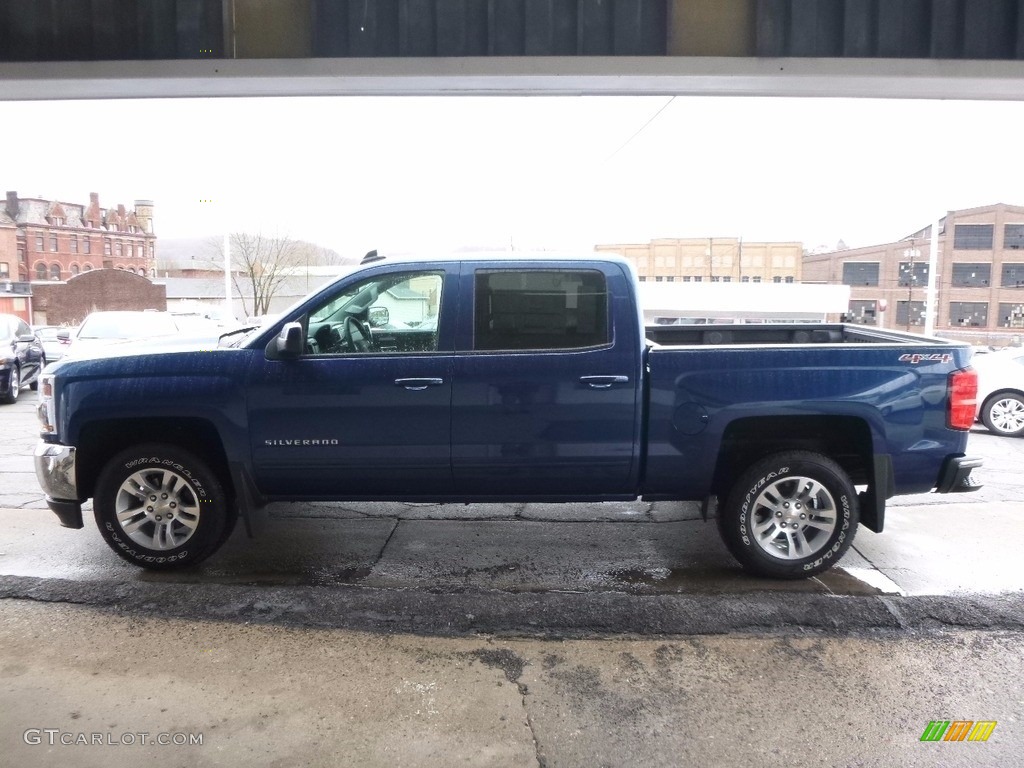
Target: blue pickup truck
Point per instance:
(507, 379)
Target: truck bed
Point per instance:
(795, 333)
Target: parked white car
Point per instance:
(1001, 391)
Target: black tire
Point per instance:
(13, 386)
(773, 515)
(184, 518)
(1003, 414)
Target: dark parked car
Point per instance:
(21, 357)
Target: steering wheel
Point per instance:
(356, 335)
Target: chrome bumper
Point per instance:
(55, 470)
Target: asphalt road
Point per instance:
(578, 635)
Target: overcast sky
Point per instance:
(405, 173)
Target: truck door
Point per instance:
(546, 397)
(366, 411)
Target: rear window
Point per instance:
(540, 309)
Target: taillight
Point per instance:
(963, 398)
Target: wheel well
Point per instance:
(844, 439)
(100, 441)
(1004, 391)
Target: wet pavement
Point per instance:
(512, 635)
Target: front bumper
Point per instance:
(955, 476)
(55, 470)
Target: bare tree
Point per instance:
(261, 264)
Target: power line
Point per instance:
(640, 130)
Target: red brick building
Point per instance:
(54, 241)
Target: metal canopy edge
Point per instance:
(536, 76)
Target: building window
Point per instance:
(727, 279)
(40, 271)
(913, 273)
(39, 242)
(914, 310)
(87, 268)
(5, 270)
(642, 278)
(119, 251)
(715, 279)
(21, 254)
(973, 314)
(53, 243)
(86, 245)
(670, 279)
(745, 279)
(73, 270)
(55, 271)
(1013, 236)
(698, 279)
(757, 278)
(1013, 275)
(789, 278)
(973, 237)
(74, 244)
(131, 250)
(860, 273)
(777, 279)
(658, 279)
(686, 278)
(862, 312)
(106, 248)
(971, 275)
(142, 271)
(1011, 315)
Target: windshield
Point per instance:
(126, 325)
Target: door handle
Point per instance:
(603, 382)
(418, 385)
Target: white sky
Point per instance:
(561, 172)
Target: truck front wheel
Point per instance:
(790, 516)
(160, 507)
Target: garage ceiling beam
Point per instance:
(858, 78)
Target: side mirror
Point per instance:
(27, 338)
(379, 317)
(64, 335)
(288, 344)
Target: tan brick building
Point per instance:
(55, 241)
(712, 260)
(979, 278)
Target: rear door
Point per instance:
(546, 396)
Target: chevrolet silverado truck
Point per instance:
(507, 379)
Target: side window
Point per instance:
(390, 314)
(540, 309)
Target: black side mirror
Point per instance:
(288, 344)
(64, 335)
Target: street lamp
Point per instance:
(912, 254)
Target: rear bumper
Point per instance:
(55, 470)
(955, 476)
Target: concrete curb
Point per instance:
(529, 614)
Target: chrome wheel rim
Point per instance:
(15, 383)
(1007, 414)
(793, 518)
(157, 508)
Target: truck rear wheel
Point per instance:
(790, 516)
(161, 507)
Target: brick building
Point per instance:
(68, 303)
(49, 240)
(712, 260)
(979, 277)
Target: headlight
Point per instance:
(47, 410)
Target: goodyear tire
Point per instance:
(161, 507)
(790, 516)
